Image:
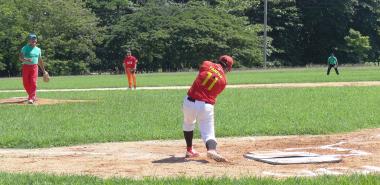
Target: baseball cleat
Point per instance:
(30, 102)
(217, 157)
(191, 154)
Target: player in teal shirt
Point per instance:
(332, 62)
(32, 53)
(30, 56)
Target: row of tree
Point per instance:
(307, 31)
(78, 37)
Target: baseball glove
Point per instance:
(46, 77)
(133, 70)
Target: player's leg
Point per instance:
(33, 82)
(25, 79)
(328, 69)
(126, 74)
(336, 70)
(189, 119)
(134, 79)
(126, 71)
(206, 124)
(129, 76)
(28, 73)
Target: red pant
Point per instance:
(131, 77)
(29, 79)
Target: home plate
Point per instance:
(281, 158)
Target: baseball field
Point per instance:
(122, 136)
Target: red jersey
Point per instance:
(209, 83)
(130, 61)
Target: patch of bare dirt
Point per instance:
(360, 152)
(39, 101)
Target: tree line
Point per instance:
(83, 36)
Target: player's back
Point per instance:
(210, 82)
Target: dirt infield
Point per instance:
(40, 101)
(360, 152)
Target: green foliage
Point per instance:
(58, 67)
(66, 32)
(284, 18)
(176, 36)
(326, 23)
(173, 35)
(357, 46)
(307, 31)
(108, 11)
(11, 32)
(367, 21)
(2, 65)
(235, 7)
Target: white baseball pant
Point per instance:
(201, 112)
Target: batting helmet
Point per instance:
(227, 61)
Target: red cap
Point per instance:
(227, 60)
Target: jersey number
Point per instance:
(209, 74)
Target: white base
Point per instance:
(282, 158)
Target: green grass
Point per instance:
(186, 78)
(127, 115)
(42, 179)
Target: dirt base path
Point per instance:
(275, 85)
(360, 152)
